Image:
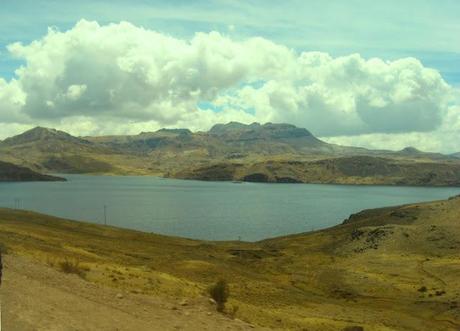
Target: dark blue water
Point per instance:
(208, 210)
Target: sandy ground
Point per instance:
(37, 297)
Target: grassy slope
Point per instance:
(13, 173)
(367, 272)
(341, 170)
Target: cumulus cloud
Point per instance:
(350, 95)
(119, 78)
(124, 71)
(444, 139)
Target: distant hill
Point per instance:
(50, 150)
(271, 152)
(456, 155)
(50, 139)
(12, 173)
(417, 154)
(231, 140)
(359, 170)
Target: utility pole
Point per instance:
(105, 215)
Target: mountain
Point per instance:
(50, 150)
(231, 140)
(268, 138)
(238, 131)
(410, 151)
(414, 153)
(13, 173)
(48, 139)
(234, 151)
(457, 155)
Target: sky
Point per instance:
(377, 74)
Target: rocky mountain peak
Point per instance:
(38, 134)
(410, 150)
(267, 130)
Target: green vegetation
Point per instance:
(220, 292)
(72, 267)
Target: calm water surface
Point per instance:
(208, 210)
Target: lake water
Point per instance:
(207, 210)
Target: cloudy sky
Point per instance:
(356, 72)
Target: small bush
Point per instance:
(422, 289)
(220, 293)
(72, 267)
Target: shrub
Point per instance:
(72, 267)
(220, 293)
(422, 289)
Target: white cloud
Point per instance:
(349, 95)
(445, 139)
(436, 141)
(121, 78)
(12, 98)
(74, 92)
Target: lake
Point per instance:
(207, 210)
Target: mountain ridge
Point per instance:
(235, 130)
(270, 152)
(42, 134)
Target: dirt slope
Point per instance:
(37, 297)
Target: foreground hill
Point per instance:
(13, 173)
(233, 151)
(394, 268)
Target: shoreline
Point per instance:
(250, 182)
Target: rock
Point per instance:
(209, 313)
(212, 301)
(120, 296)
(184, 302)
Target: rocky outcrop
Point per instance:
(12, 173)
